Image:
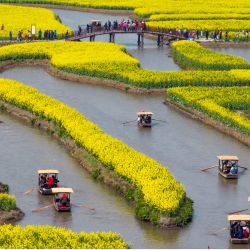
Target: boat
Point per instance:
(239, 228)
(61, 200)
(228, 166)
(144, 119)
(47, 179)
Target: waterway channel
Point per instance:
(182, 144)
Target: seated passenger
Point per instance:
(64, 200)
(50, 181)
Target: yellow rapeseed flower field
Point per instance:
(18, 18)
(219, 103)
(107, 60)
(190, 54)
(159, 188)
(215, 10)
(50, 237)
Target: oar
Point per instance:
(209, 168)
(41, 208)
(29, 191)
(128, 122)
(159, 120)
(239, 211)
(79, 205)
(243, 167)
(222, 229)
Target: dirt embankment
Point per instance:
(45, 64)
(11, 216)
(194, 114)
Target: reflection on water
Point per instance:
(183, 144)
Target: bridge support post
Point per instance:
(158, 40)
(142, 40)
(92, 38)
(112, 37)
(139, 40)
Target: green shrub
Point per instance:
(7, 202)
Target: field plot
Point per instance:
(53, 237)
(191, 55)
(109, 61)
(217, 15)
(18, 18)
(221, 104)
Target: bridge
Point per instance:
(91, 34)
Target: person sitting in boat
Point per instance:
(50, 181)
(224, 166)
(55, 179)
(234, 169)
(64, 200)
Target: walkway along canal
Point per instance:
(183, 144)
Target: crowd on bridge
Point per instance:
(215, 35)
(96, 26)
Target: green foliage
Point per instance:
(4, 188)
(96, 173)
(7, 202)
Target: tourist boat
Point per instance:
(47, 179)
(144, 119)
(228, 166)
(62, 199)
(239, 228)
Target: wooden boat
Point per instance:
(239, 222)
(228, 166)
(47, 179)
(62, 199)
(144, 119)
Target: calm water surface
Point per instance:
(183, 144)
(243, 52)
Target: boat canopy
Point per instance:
(48, 171)
(62, 190)
(228, 157)
(239, 217)
(144, 113)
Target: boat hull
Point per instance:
(147, 125)
(62, 208)
(239, 241)
(229, 176)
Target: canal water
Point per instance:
(182, 144)
(243, 52)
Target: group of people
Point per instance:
(63, 199)
(240, 230)
(215, 35)
(229, 167)
(48, 181)
(146, 119)
(129, 25)
(27, 36)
